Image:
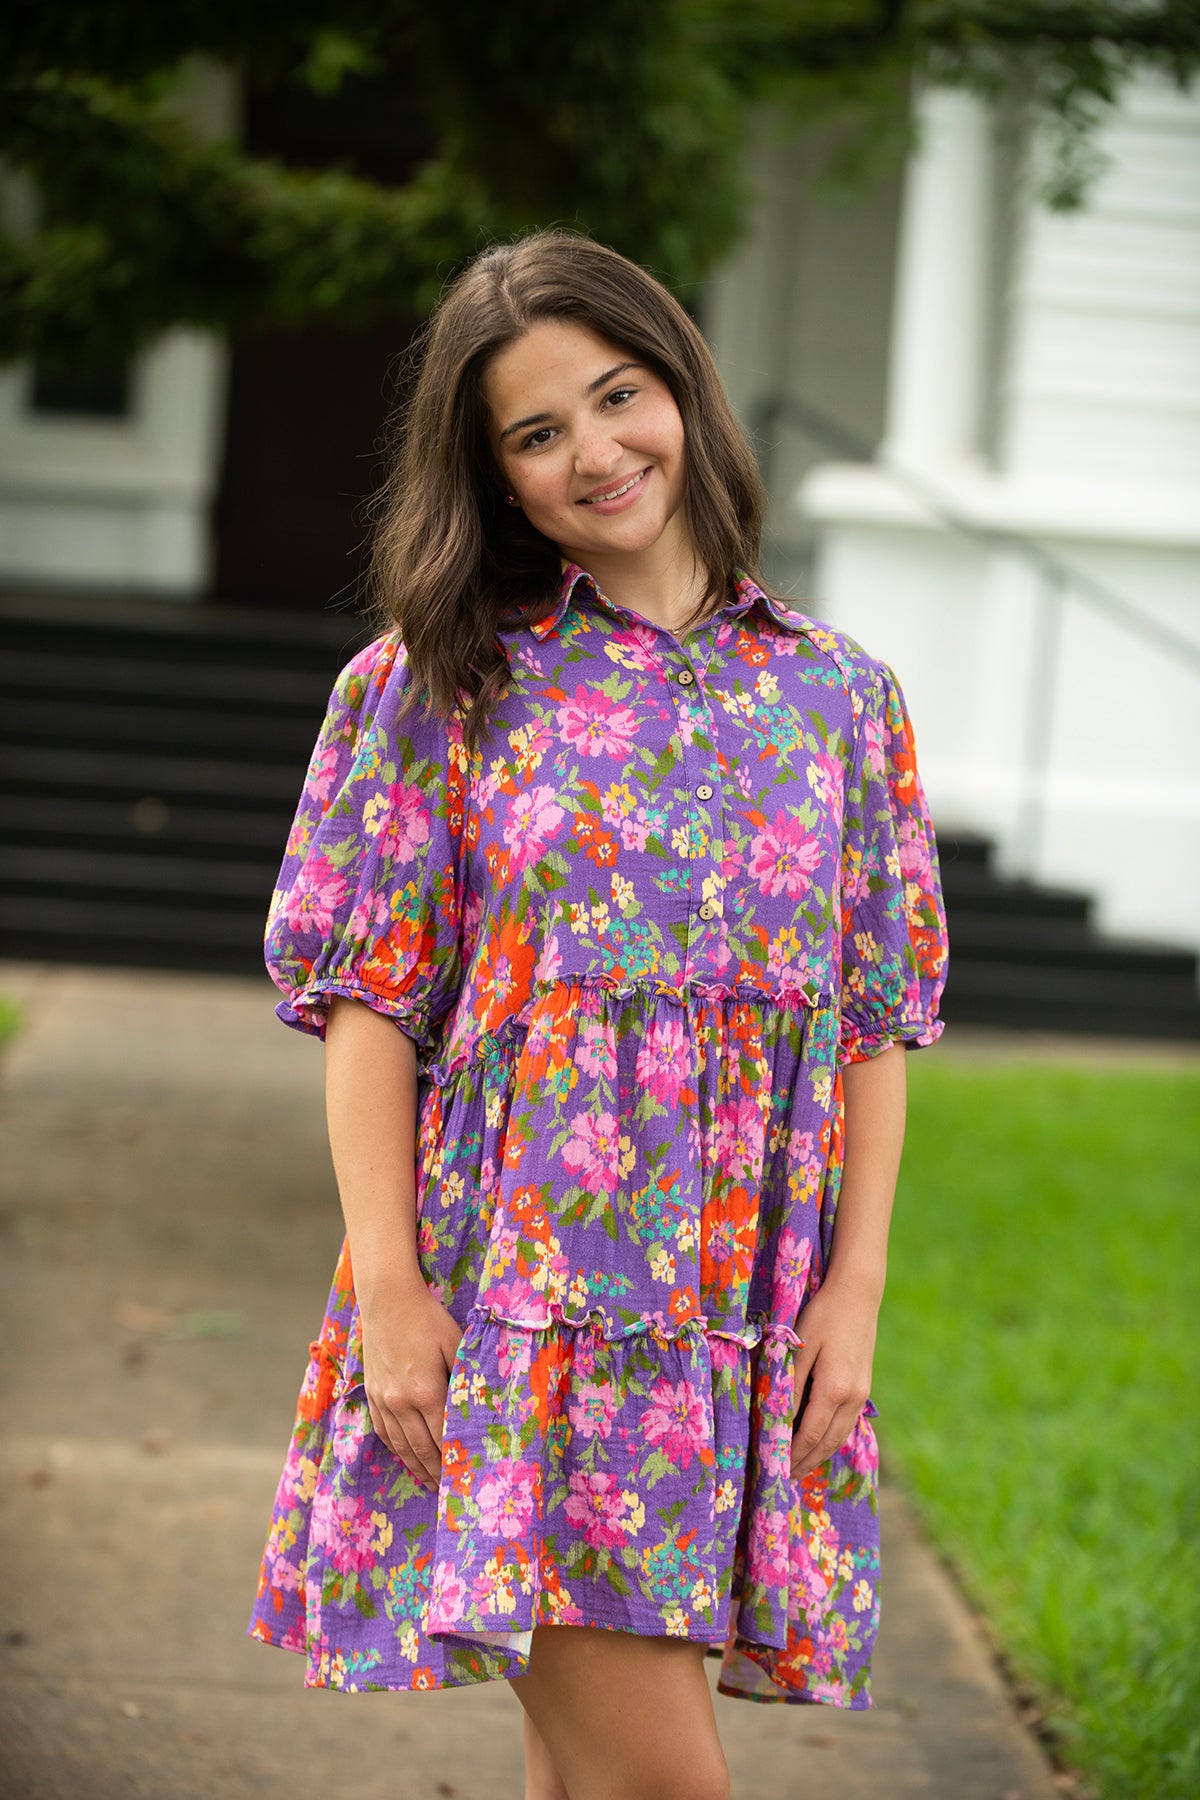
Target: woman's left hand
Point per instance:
(838, 1328)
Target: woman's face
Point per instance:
(589, 441)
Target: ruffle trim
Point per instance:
(492, 1044)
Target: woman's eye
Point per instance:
(537, 438)
(620, 395)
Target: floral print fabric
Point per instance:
(635, 938)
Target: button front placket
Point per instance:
(700, 798)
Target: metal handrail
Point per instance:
(1059, 578)
(1054, 568)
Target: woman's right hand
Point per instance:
(408, 1351)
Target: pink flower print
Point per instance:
(404, 828)
(507, 1496)
(783, 857)
(447, 1598)
(343, 1524)
(318, 892)
(606, 1514)
(533, 819)
(549, 961)
(793, 1256)
(591, 1150)
(370, 916)
(514, 1352)
(596, 725)
(739, 1137)
(862, 1448)
(596, 1052)
(353, 1424)
(592, 1409)
(664, 1060)
(808, 1584)
(873, 739)
(767, 1554)
(321, 771)
(677, 1421)
(915, 860)
(825, 778)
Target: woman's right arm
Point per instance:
(409, 1339)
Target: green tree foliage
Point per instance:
(625, 119)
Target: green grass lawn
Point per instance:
(10, 1018)
(1037, 1380)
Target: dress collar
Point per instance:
(748, 596)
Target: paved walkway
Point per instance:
(168, 1226)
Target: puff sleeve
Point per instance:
(369, 899)
(894, 944)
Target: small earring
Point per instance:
(512, 500)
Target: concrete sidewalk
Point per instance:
(170, 1223)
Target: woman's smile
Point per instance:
(590, 444)
(608, 498)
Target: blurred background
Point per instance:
(948, 260)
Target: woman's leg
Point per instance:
(542, 1779)
(623, 1717)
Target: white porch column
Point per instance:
(939, 336)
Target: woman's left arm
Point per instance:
(838, 1324)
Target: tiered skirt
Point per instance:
(626, 1199)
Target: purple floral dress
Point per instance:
(634, 937)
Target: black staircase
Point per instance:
(151, 756)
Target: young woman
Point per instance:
(613, 892)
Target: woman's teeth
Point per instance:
(616, 493)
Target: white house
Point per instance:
(1034, 376)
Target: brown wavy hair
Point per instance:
(450, 557)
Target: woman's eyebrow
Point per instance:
(541, 418)
(609, 375)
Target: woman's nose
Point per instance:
(596, 453)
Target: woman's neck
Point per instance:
(665, 584)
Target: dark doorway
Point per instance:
(305, 408)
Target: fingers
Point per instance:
(408, 1436)
(822, 1431)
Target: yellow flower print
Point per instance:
(687, 1235)
(635, 1513)
(867, 946)
(577, 1293)
(409, 1643)
(453, 1189)
(863, 1596)
(306, 1478)
(677, 1622)
(701, 1595)
(726, 1496)
(662, 1266)
(712, 889)
(618, 803)
(579, 919)
(375, 814)
(626, 1154)
(622, 892)
(767, 687)
(601, 917)
(381, 1543)
(823, 1088)
(527, 748)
